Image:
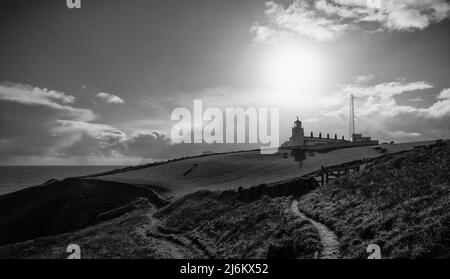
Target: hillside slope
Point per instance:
(399, 202)
(251, 223)
(62, 206)
(228, 171)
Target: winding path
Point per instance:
(328, 238)
(175, 246)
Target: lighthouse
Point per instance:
(298, 137)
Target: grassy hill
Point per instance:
(62, 206)
(242, 169)
(247, 223)
(400, 202)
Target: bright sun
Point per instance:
(293, 71)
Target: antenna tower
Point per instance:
(352, 116)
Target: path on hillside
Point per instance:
(328, 238)
(174, 246)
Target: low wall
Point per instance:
(330, 146)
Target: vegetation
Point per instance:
(63, 206)
(400, 202)
(230, 226)
(246, 223)
(116, 238)
(231, 170)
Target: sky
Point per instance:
(97, 85)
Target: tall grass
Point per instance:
(400, 202)
(230, 227)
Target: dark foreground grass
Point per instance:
(228, 227)
(115, 239)
(248, 223)
(63, 206)
(401, 203)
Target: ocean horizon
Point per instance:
(15, 178)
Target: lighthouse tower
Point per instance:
(298, 137)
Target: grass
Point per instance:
(113, 239)
(246, 223)
(239, 169)
(229, 171)
(400, 202)
(227, 226)
(63, 206)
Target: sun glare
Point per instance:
(294, 72)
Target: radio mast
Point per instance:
(352, 117)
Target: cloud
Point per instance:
(384, 90)
(87, 139)
(418, 99)
(155, 145)
(37, 123)
(146, 144)
(445, 94)
(364, 78)
(29, 95)
(300, 18)
(45, 127)
(380, 114)
(105, 134)
(109, 98)
(379, 99)
(326, 20)
(441, 108)
(404, 134)
(28, 116)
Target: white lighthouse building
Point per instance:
(298, 135)
(299, 140)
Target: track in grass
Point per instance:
(328, 238)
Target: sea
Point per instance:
(15, 178)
